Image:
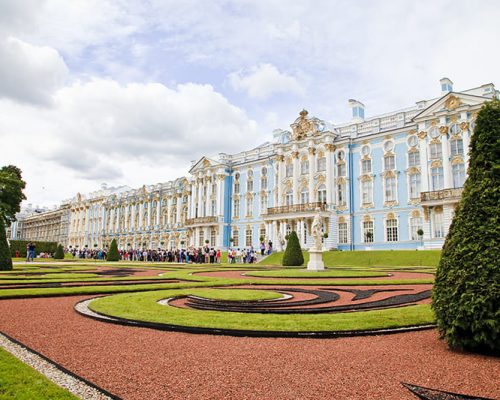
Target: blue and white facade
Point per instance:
(378, 182)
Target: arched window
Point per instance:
(436, 151)
(304, 195)
(390, 188)
(322, 194)
(437, 178)
(368, 232)
(321, 163)
(304, 167)
(367, 192)
(415, 180)
(236, 208)
(289, 198)
(458, 171)
(389, 163)
(263, 183)
(391, 228)
(289, 170)
(250, 185)
(413, 159)
(457, 147)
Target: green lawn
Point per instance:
(369, 258)
(327, 273)
(21, 382)
(144, 307)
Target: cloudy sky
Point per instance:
(129, 91)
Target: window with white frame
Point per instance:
(236, 208)
(322, 194)
(415, 226)
(367, 192)
(457, 147)
(342, 232)
(390, 188)
(341, 195)
(289, 198)
(304, 167)
(212, 237)
(289, 170)
(249, 206)
(368, 232)
(248, 237)
(213, 208)
(437, 178)
(413, 159)
(263, 203)
(389, 163)
(415, 185)
(236, 187)
(321, 164)
(236, 238)
(304, 196)
(436, 151)
(458, 171)
(391, 230)
(263, 183)
(366, 166)
(437, 224)
(262, 232)
(341, 169)
(201, 238)
(250, 185)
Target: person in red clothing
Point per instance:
(218, 257)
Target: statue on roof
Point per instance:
(303, 126)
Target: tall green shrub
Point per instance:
(40, 247)
(113, 254)
(293, 253)
(466, 294)
(5, 258)
(59, 254)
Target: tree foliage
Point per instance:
(5, 258)
(59, 254)
(113, 254)
(466, 294)
(11, 192)
(293, 253)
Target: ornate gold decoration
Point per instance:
(434, 122)
(391, 215)
(295, 154)
(391, 203)
(412, 131)
(435, 140)
(422, 134)
(457, 160)
(330, 147)
(341, 219)
(443, 130)
(454, 118)
(452, 103)
(303, 126)
(367, 218)
(413, 170)
(365, 178)
(415, 214)
(280, 158)
(436, 164)
(464, 126)
(311, 150)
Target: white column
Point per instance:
(179, 206)
(296, 172)
(446, 161)
(141, 217)
(280, 178)
(466, 143)
(132, 218)
(329, 173)
(220, 196)
(312, 169)
(158, 211)
(208, 200)
(149, 213)
(424, 170)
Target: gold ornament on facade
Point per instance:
(464, 126)
(457, 160)
(295, 154)
(415, 214)
(443, 130)
(436, 164)
(280, 158)
(412, 131)
(367, 218)
(452, 103)
(391, 215)
(303, 126)
(422, 134)
(434, 122)
(330, 147)
(311, 150)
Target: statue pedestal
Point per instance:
(315, 260)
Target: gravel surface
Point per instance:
(52, 372)
(139, 363)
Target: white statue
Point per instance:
(317, 230)
(281, 242)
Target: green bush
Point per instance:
(5, 257)
(59, 254)
(40, 247)
(293, 253)
(113, 254)
(466, 294)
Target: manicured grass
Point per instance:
(303, 273)
(21, 382)
(144, 307)
(369, 258)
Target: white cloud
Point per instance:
(133, 134)
(263, 81)
(30, 73)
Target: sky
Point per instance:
(129, 92)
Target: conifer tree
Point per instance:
(466, 294)
(113, 254)
(293, 254)
(59, 254)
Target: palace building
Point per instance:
(378, 182)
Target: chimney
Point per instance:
(446, 85)
(358, 110)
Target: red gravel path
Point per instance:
(139, 363)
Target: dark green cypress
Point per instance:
(5, 258)
(113, 254)
(293, 254)
(59, 254)
(466, 296)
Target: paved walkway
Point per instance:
(138, 363)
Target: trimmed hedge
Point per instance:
(113, 254)
(466, 295)
(40, 247)
(5, 258)
(293, 253)
(59, 254)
